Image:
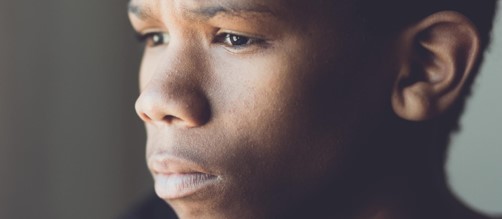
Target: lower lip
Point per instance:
(173, 186)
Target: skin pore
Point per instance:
(285, 109)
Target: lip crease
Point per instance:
(177, 178)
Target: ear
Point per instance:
(436, 56)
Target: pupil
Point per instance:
(157, 39)
(238, 40)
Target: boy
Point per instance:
(305, 109)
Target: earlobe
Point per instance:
(437, 55)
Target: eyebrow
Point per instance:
(142, 13)
(212, 11)
(206, 12)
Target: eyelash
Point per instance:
(154, 39)
(151, 39)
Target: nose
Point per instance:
(172, 107)
(173, 96)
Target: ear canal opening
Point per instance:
(411, 78)
(416, 70)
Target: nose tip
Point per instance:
(154, 115)
(186, 109)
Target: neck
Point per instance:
(389, 198)
(394, 181)
(385, 180)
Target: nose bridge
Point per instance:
(184, 52)
(174, 95)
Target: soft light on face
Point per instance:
(248, 104)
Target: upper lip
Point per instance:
(168, 164)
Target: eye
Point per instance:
(237, 41)
(154, 39)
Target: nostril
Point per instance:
(169, 118)
(145, 117)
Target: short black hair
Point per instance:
(386, 17)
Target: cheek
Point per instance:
(268, 110)
(265, 83)
(257, 92)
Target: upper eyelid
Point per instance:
(146, 31)
(219, 31)
(145, 26)
(142, 35)
(219, 35)
(247, 35)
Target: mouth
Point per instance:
(177, 178)
(175, 186)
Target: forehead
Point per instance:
(193, 4)
(209, 8)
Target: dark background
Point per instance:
(70, 143)
(72, 147)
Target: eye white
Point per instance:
(161, 38)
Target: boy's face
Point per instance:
(251, 106)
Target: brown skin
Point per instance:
(289, 120)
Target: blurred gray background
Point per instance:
(72, 147)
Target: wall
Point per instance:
(475, 164)
(70, 146)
